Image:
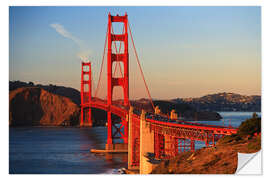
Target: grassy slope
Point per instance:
(221, 159)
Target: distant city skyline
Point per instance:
(184, 51)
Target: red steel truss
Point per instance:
(159, 145)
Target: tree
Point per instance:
(31, 83)
(250, 126)
(255, 115)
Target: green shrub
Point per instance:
(250, 126)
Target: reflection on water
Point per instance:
(60, 150)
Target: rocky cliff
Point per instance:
(71, 93)
(33, 106)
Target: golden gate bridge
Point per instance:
(138, 132)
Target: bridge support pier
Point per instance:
(171, 146)
(133, 141)
(109, 129)
(210, 139)
(146, 146)
(116, 147)
(86, 117)
(130, 149)
(112, 146)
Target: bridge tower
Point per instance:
(113, 57)
(86, 94)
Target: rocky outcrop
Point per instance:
(33, 106)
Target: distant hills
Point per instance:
(212, 102)
(183, 110)
(202, 108)
(223, 102)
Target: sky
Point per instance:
(184, 51)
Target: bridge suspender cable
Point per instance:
(148, 92)
(101, 68)
(137, 59)
(99, 78)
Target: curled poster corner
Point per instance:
(249, 163)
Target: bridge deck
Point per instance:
(122, 112)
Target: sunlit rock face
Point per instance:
(32, 106)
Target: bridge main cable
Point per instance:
(148, 92)
(101, 68)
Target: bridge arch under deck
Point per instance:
(114, 109)
(119, 133)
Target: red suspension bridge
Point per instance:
(137, 131)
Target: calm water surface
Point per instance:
(231, 118)
(59, 150)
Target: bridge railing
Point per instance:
(218, 129)
(165, 118)
(201, 124)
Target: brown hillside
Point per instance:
(30, 106)
(221, 159)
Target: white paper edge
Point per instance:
(249, 163)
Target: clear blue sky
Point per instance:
(184, 51)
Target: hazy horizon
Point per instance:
(184, 51)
